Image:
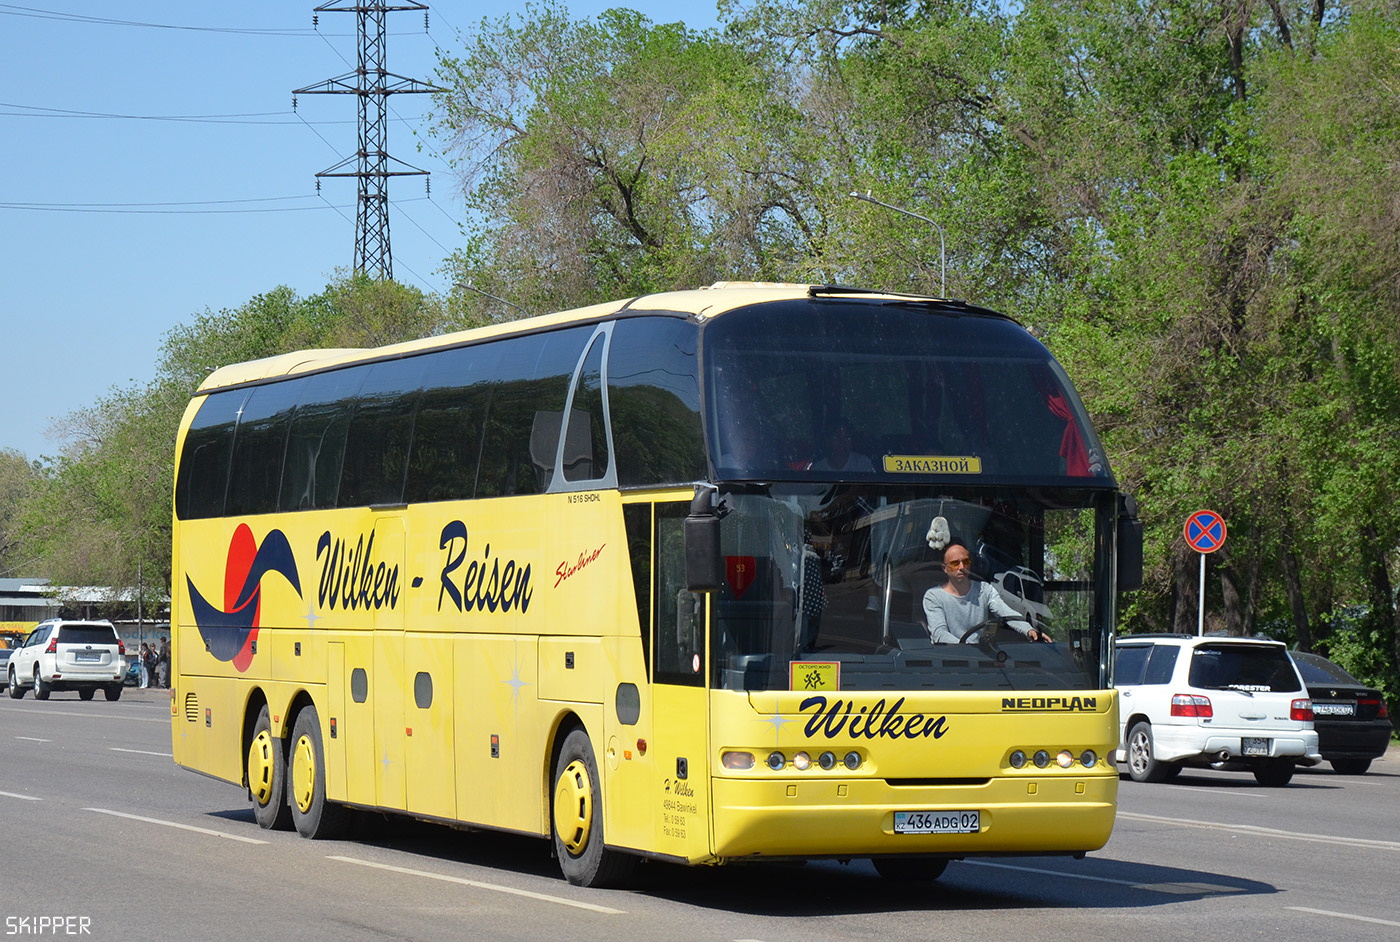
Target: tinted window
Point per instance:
(447, 432)
(381, 430)
(87, 634)
(258, 445)
(1318, 670)
(529, 379)
(204, 463)
(316, 442)
(1160, 664)
(680, 613)
(1129, 664)
(906, 380)
(1253, 667)
(654, 401)
(586, 444)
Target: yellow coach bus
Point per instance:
(663, 578)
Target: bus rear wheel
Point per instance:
(267, 774)
(578, 819)
(313, 816)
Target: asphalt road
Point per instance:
(103, 837)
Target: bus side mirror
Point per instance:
(704, 567)
(1129, 545)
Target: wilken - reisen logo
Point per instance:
(229, 632)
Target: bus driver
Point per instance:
(960, 605)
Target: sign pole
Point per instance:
(1201, 610)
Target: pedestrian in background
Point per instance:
(144, 661)
(163, 662)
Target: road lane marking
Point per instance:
(163, 720)
(1179, 889)
(33, 739)
(1328, 912)
(142, 752)
(20, 797)
(482, 886)
(1267, 832)
(176, 824)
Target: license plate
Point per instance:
(1334, 709)
(937, 822)
(87, 656)
(1255, 747)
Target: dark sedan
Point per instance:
(1353, 725)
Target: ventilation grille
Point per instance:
(191, 708)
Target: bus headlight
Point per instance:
(1041, 759)
(737, 761)
(802, 762)
(1018, 759)
(827, 760)
(1064, 759)
(776, 760)
(852, 760)
(1089, 759)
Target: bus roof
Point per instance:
(700, 303)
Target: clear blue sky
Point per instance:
(152, 168)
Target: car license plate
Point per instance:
(1334, 709)
(937, 822)
(1254, 747)
(87, 656)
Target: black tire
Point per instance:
(1142, 766)
(266, 774)
(1274, 773)
(15, 690)
(41, 689)
(313, 816)
(87, 693)
(113, 691)
(909, 869)
(1351, 766)
(577, 817)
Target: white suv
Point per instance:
(85, 656)
(1224, 703)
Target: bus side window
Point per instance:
(680, 613)
(376, 445)
(654, 402)
(447, 431)
(205, 463)
(256, 472)
(586, 439)
(531, 376)
(316, 442)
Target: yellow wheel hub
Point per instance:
(303, 774)
(573, 807)
(260, 767)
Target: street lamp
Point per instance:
(942, 245)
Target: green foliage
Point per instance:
(100, 514)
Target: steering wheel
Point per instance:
(989, 628)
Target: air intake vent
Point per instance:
(191, 708)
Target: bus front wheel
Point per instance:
(313, 816)
(267, 773)
(578, 819)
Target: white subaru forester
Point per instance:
(1216, 702)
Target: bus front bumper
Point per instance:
(856, 818)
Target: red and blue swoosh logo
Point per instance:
(229, 632)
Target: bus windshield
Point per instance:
(871, 587)
(833, 389)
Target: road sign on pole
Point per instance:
(1205, 533)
